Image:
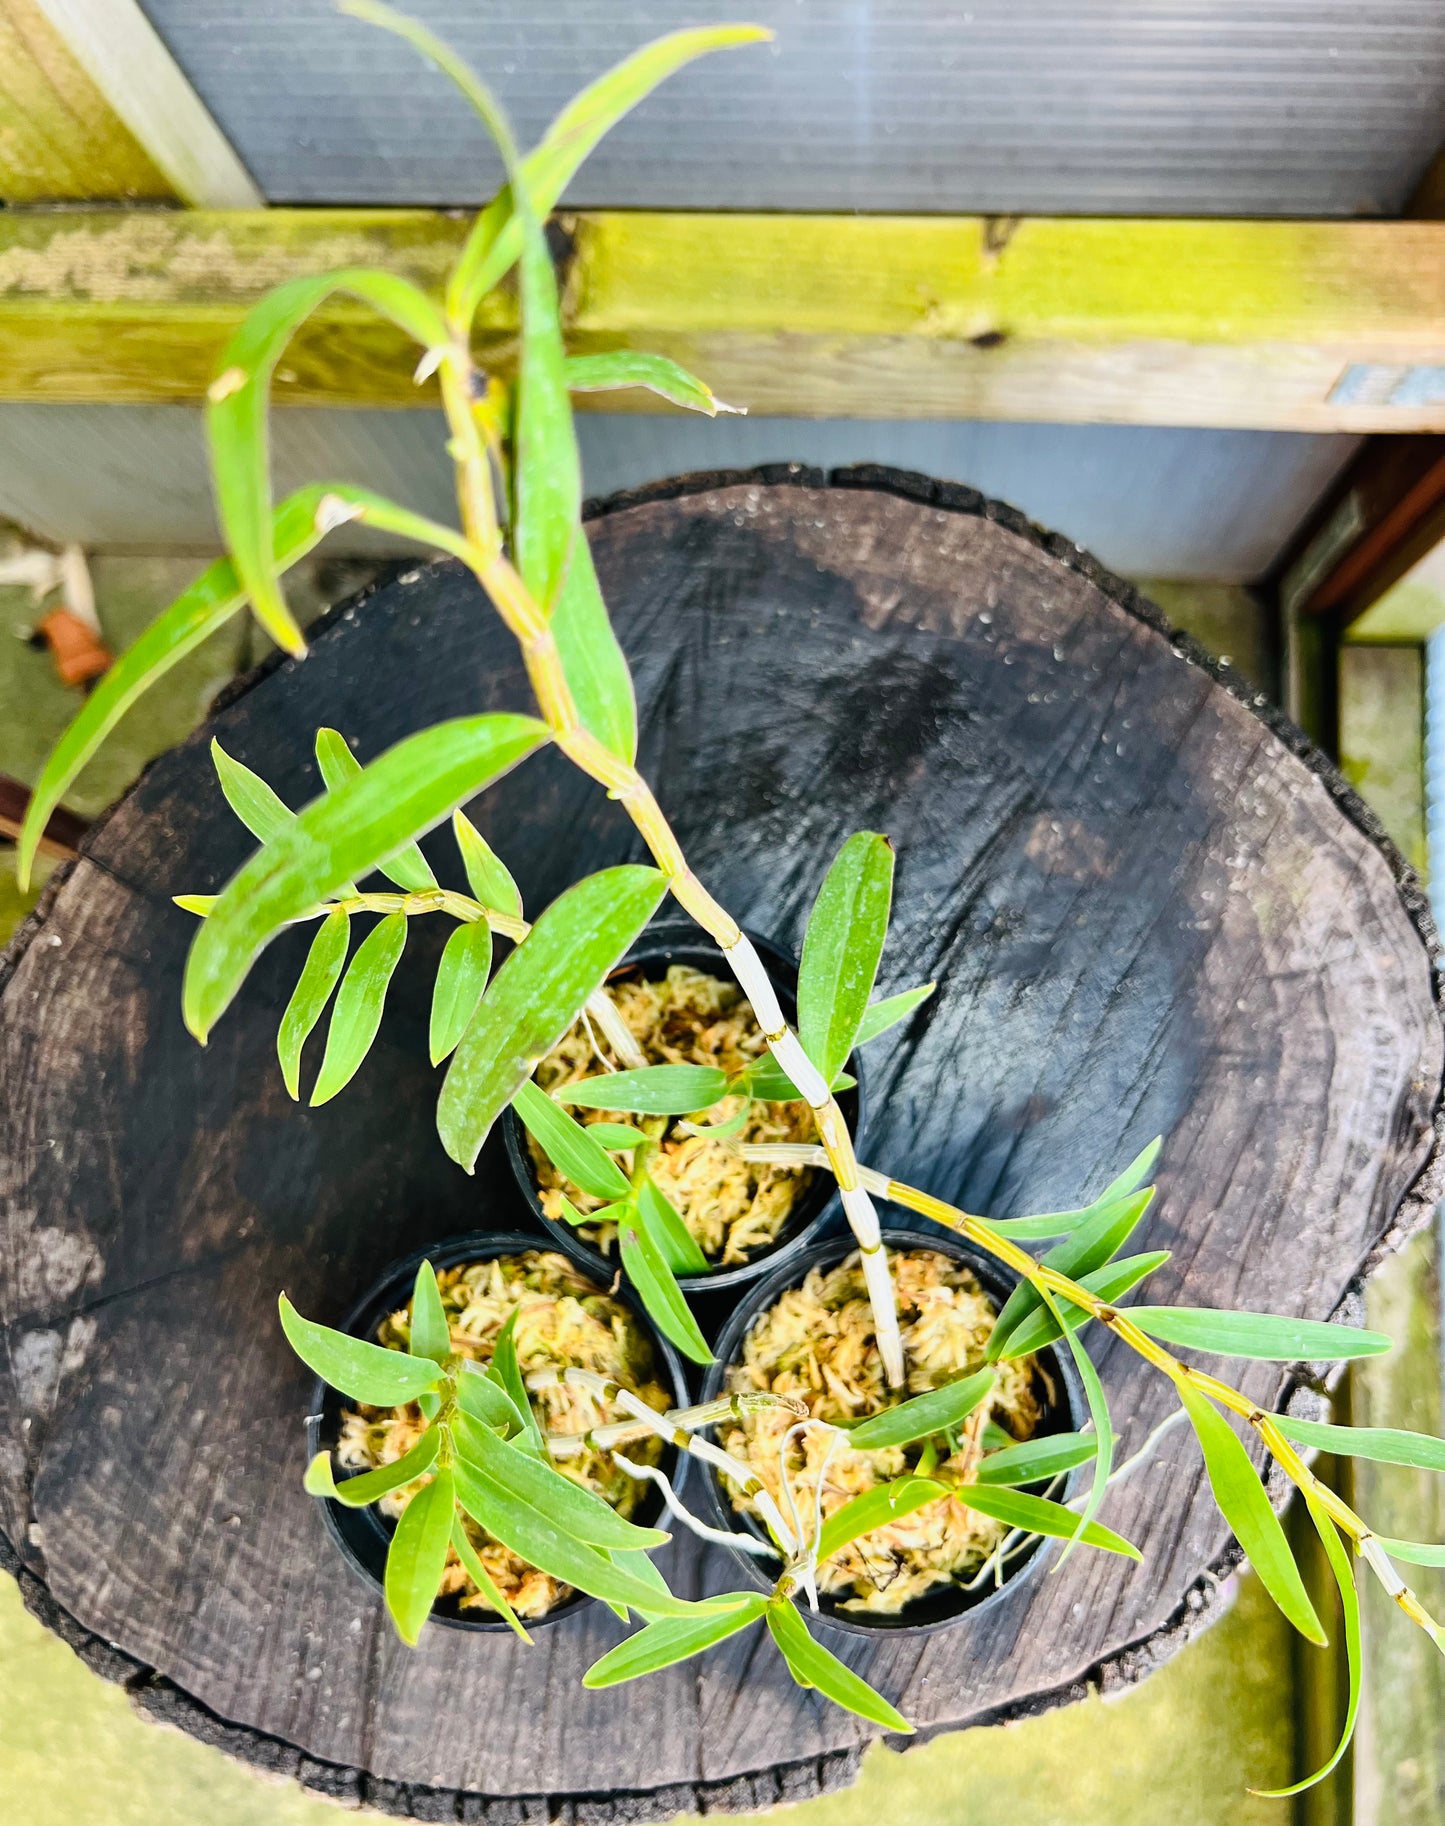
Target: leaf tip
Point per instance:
(318, 1479)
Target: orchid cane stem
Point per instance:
(528, 622)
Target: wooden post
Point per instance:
(92, 105)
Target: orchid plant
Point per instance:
(481, 1453)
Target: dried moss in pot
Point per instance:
(551, 1316)
(456, 1456)
(816, 1344)
(730, 1206)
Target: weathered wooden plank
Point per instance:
(1382, 739)
(1145, 913)
(92, 105)
(1377, 519)
(1159, 322)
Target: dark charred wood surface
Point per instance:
(1149, 907)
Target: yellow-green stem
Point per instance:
(529, 624)
(977, 1230)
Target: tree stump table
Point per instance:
(1150, 908)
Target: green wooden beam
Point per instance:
(92, 105)
(1144, 322)
(1382, 739)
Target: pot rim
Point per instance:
(360, 1321)
(660, 937)
(997, 1280)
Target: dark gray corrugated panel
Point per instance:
(1328, 107)
(1161, 503)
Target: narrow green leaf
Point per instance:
(1110, 1282)
(1089, 1247)
(650, 1090)
(593, 660)
(811, 1665)
(1344, 1575)
(1245, 1506)
(1058, 1223)
(483, 1580)
(570, 1506)
(641, 1565)
(1034, 1460)
(766, 1080)
(574, 1150)
(201, 905)
(340, 835)
(319, 976)
(547, 471)
(672, 1639)
(417, 1557)
(360, 1491)
(876, 1508)
(483, 1398)
(878, 1017)
(711, 1131)
(935, 1412)
(571, 1215)
(536, 995)
(1134, 1175)
(659, 1292)
(1386, 1445)
(1257, 1334)
(262, 811)
(487, 875)
(495, 238)
(540, 1541)
(663, 1223)
(1037, 1515)
(634, 368)
(344, 501)
(408, 868)
(359, 1004)
(639, 1562)
(367, 1372)
(197, 613)
(547, 476)
(1417, 1553)
(431, 1335)
(507, 1372)
(237, 412)
(1063, 1223)
(1103, 1427)
(317, 1479)
(842, 948)
(462, 974)
(618, 1137)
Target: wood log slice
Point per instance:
(1150, 908)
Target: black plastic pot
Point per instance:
(363, 1535)
(682, 942)
(945, 1605)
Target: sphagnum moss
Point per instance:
(732, 1207)
(559, 1318)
